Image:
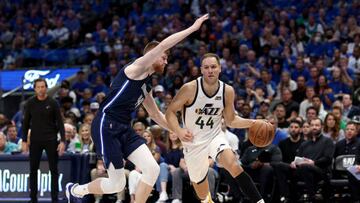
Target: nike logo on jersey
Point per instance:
(142, 97)
(218, 98)
(207, 110)
(139, 101)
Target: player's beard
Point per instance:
(158, 68)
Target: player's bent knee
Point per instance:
(119, 185)
(150, 173)
(115, 183)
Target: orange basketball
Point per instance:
(261, 134)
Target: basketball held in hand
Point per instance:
(261, 134)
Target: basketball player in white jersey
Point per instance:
(203, 103)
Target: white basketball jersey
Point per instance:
(203, 116)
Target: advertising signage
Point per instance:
(10, 80)
(15, 182)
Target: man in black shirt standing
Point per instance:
(42, 116)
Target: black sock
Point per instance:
(248, 187)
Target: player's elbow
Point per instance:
(168, 114)
(229, 123)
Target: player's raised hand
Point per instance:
(197, 24)
(185, 135)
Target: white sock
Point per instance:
(261, 201)
(81, 190)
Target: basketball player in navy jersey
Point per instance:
(112, 134)
(203, 103)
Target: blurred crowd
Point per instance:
(289, 61)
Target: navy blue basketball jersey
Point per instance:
(124, 97)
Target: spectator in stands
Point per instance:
(321, 85)
(167, 100)
(353, 182)
(257, 162)
(45, 36)
(87, 95)
(67, 105)
(265, 81)
(66, 91)
(81, 84)
(306, 131)
(255, 97)
(337, 111)
(61, 33)
(4, 122)
(94, 72)
(113, 71)
(100, 85)
(72, 23)
(264, 108)
(311, 113)
(159, 95)
(332, 128)
(339, 81)
(317, 104)
(315, 165)
(350, 145)
(300, 93)
(300, 69)
(173, 158)
(88, 118)
(5, 146)
(139, 127)
(314, 76)
(276, 71)
(84, 109)
(285, 82)
(291, 106)
(71, 137)
(17, 119)
(283, 171)
(354, 60)
(86, 142)
(280, 113)
(349, 110)
(310, 92)
(11, 133)
(158, 134)
(99, 97)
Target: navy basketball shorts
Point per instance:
(114, 141)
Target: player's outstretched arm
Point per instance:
(150, 57)
(232, 120)
(180, 99)
(154, 112)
